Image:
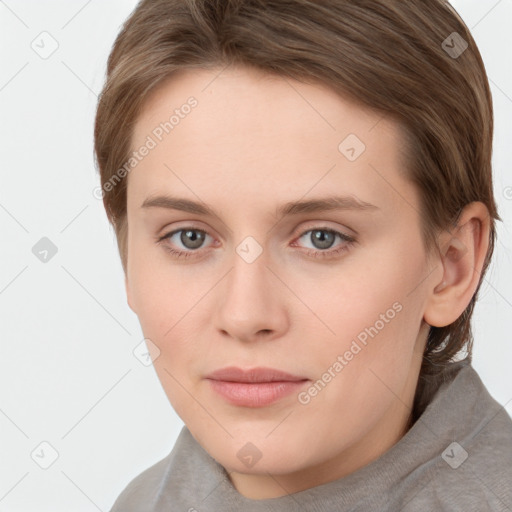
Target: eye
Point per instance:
(323, 239)
(190, 238)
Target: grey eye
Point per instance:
(322, 238)
(191, 238)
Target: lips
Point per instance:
(255, 387)
(234, 374)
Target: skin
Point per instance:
(254, 142)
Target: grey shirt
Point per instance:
(457, 456)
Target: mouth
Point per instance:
(255, 387)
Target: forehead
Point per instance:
(257, 101)
(252, 133)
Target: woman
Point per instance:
(302, 197)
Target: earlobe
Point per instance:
(462, 256)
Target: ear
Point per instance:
(463, 252)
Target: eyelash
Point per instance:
(333, 253)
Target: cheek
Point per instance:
(374, 302)
(168, 302)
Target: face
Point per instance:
(248, 247)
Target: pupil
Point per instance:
(324, 238)
(192, 239)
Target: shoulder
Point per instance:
(472, 467)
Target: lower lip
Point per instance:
(255, 394)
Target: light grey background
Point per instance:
(68, 376)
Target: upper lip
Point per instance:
(261, 374)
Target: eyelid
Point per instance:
(297, 233)
(317, 225)
(191, 224)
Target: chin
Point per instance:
(256, 454)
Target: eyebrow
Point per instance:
(288, 209)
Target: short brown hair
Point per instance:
(390, 55)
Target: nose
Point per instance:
(251, 301)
